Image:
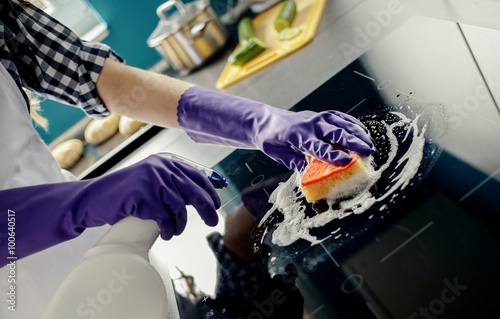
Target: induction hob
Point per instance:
(433, 252)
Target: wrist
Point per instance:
(210, 116)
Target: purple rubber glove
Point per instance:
(155, 188)
(212, 117)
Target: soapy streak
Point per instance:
(412, 157)
(287, 197)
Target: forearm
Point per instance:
(143, 95)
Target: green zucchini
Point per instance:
(288, 33)
(252, 48)
(245, 31)
(285, 17)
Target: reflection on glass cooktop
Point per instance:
(428, 250)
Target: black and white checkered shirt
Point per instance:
(47, 58)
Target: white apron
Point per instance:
(26, 160)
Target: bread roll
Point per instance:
(100, 130)
(128, 126)
(68, 153)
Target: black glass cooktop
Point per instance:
(428, 251)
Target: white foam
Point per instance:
(288, 199)
(357, 183)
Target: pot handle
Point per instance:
(161, 11)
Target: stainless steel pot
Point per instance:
(189, 36)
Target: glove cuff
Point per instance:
(210, 116)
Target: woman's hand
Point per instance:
(155, 188)
(295, 134)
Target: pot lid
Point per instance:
(171, 22)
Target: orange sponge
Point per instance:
(322, 180)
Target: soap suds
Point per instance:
(288, 199)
